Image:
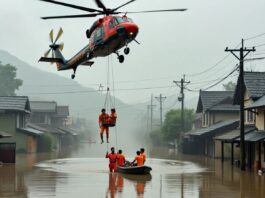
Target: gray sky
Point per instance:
(172, 44)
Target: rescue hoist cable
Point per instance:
(114, 99)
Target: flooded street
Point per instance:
(84, 173)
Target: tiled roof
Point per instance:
(218, 127)
(51, 129)
(31, 131)
(232, 135)
(254, 84)
(259, 103)
(15, 103)
(225, 107)
(208, 99)
(254, 136)
(70, 131)
(43, 106)
(4, 135)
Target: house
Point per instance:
(254, 101)
(61, 117)
(14, 114)
(218, 115)
(52, 119)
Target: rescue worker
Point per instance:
(143, 154)
(138, 159)
(112, 160)
(102, 121)
(112, 117)
(120, 158)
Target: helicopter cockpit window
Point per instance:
(119, 19)
(99, 34)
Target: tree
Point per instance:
(230, 86)
(171, 129)
(172, 125)
(8, 81)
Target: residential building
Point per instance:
(218, 115)
(254, 100)
(14, 114)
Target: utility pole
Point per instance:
(241, 58)
(161, 99)
(182, 85)
(151, 107)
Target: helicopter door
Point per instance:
(99, 35)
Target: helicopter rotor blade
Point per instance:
(59, 35)
(61, 46)
(152, 11)
(72, 16)
(47, 53)
(51, 36)
(101, 5)
(113, 10)
(72, 6)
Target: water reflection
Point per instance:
(12, 184)
(185, 176)
(116, 184)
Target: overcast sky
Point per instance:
(172, 44)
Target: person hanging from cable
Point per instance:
(103, 125)
(112, 118)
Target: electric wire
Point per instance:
(256, 36)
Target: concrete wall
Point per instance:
(8, 124)
(222, 116)
(260, 119)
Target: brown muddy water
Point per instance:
(84, 173)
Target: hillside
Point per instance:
(86, 105)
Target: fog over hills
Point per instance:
(87, 102)
(42, 85)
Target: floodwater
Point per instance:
(84, 173)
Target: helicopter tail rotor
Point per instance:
(54, 46)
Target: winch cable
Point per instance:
(114, 100)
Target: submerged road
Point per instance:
(85, 174)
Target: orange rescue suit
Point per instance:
(140, 160)
(144, 156)
(112, 161)
(120, 159)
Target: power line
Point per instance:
(212, 67)
(256, 36)
(222, 79)
(93, 91)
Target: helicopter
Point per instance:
(114, 31)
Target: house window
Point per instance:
(205, 119)
(250, 116)
(20, 121)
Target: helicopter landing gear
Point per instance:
(120, 57)
(73, 75)
(126, 50)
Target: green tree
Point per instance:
(171, 129)
(8, 81)
(230, 86)
(172, 124)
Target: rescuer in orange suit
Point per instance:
(112, 117)
(143, 154)
(138, 159)
(102, 121)
(120, 158)
(112, 160)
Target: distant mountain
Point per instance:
(88, 104)
(37, 81)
